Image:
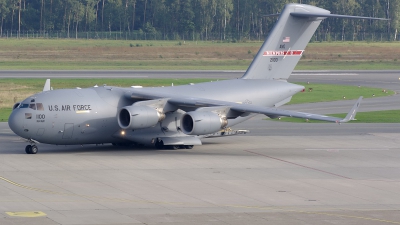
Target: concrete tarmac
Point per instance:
(346, 178)
(280, 173)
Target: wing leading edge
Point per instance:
(236, 109)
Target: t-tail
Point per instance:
(285, 45)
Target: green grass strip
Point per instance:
(195, 64)
(4, 114)
(329, 92)
(347, 65)
(200, 64)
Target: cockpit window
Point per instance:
(39, 106)
(32, 106)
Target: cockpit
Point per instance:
(31, 105)
(37, 106)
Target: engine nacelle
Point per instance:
(202, 122)
(138, 117)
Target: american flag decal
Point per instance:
(286, 40)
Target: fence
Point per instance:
(137, 35)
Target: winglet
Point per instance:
(47, 85)
(353, 111)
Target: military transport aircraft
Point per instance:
(177, 116)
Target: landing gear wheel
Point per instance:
(159, 144)
(34, 149)
(174, 147)
(31, 149)
(28, 149)
(188, 146)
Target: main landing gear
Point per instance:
(159, 144)
(31, 149)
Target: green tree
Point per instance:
(4, 12)
(206, 12)
(89, 13)
(186, 16)
(224, 14)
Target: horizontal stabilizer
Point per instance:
(311, 15)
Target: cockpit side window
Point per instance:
(39, 106)
(22, 106)
(32, 106)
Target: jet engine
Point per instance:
(138, 117)
(202, 122)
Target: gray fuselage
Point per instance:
(89, 116)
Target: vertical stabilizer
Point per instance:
(285, 45)
(46, 86)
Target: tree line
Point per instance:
(210, 19)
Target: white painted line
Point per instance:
(325, 74)
(234, 71)
(347, 149)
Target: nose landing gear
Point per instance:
(32, 148)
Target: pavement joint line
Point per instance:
(321, 213)
(296, 164)
(84, 196)
(319, 170)
(182, 203)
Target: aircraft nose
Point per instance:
(15, 122)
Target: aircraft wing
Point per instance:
(281, 112)
(237, 109)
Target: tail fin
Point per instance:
(285, 45)
(46, 86)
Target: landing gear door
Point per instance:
(68, 130)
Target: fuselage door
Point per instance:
(68, 130)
